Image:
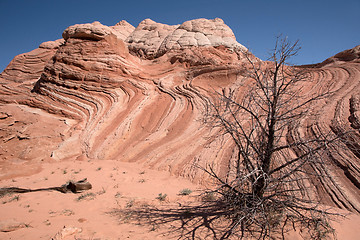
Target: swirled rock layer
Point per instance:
(140, 94)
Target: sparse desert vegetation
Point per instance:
(185, 191)
(177, 132)
(86, 196)
(161, 197)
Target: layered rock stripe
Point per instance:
(140, 95)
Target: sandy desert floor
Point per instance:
(94, 214)
(91, 214)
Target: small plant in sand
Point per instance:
(67, 212)
(101, 191)
(15, 198)
(208, 197)
(161, 197)
(142, 180)
(153, 228)
(86, 196)
(12, 199)
(51, 212)
(130, 203)
(185, 191)
(99, 168)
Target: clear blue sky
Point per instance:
(324, 27)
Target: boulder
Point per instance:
(66, 233)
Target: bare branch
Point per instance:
(268, 192)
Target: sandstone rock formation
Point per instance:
(201, 33)
(66, 233)
(52, 44)
(97, 31)
(147, 38)
(352, 55)
(139, 94)
(151, 39)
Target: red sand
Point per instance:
(101, 98)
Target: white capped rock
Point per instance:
(199, 33)
(122, 29)
(146, 39)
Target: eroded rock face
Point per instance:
(151, 39)
(349, 55)
(27, 67)
(52, 44)
(145, 41)
(201, 33)
(355, 111)
(141, 95)
(123, 29)
(97, 31)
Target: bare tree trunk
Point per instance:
(268, 191)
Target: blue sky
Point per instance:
(324, 27)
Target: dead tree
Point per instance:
(267, 190)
